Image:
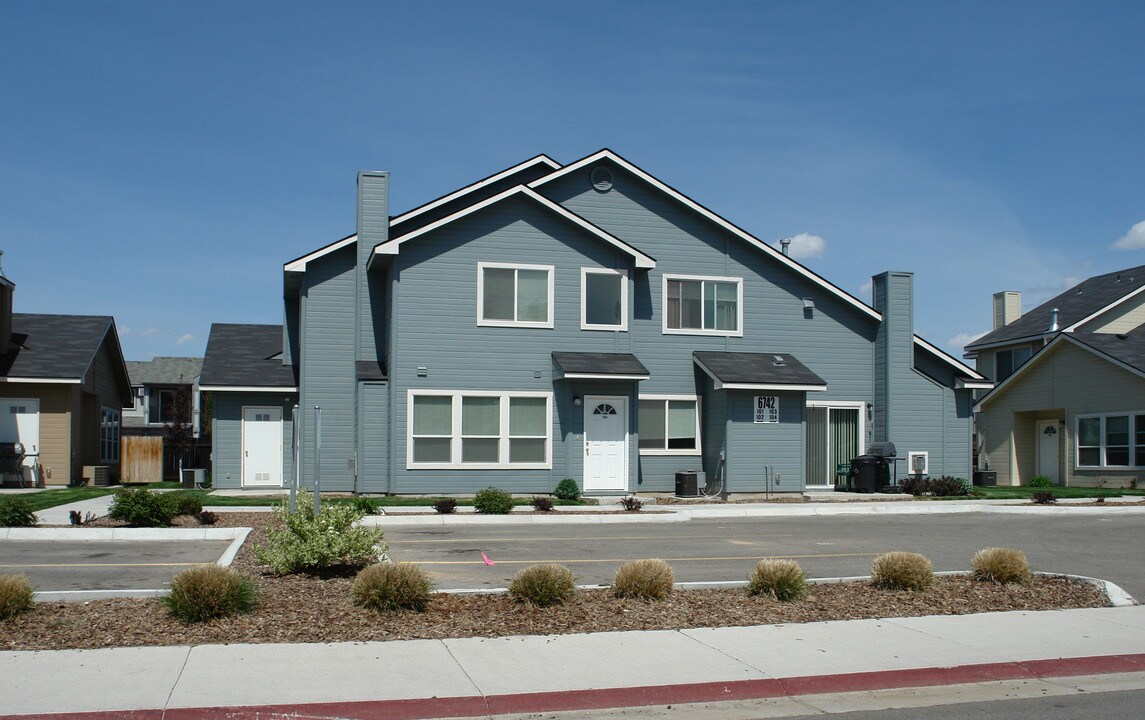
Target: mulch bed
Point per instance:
(307, 608)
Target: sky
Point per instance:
(160, 161)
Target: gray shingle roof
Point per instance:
(1074, 305)
(245, 356)
(58, 347)
(165, 371)
(1129, 349)
(584, 363)
(747, 368)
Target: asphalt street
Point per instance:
(726, 549)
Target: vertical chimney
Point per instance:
(893, 296)
(785, 246)
(373, 228)
(1054, 321)
(7, 287)
(1007, 307)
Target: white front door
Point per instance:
(605, 443)
(20, 422)
(262, 446)
(1048, 450)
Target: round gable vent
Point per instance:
(602, 178)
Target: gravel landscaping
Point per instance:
(305, 608)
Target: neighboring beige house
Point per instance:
(1070, 398)
(63, 386)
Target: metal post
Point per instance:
(296, 454)
(317, 458)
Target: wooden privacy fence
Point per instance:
(141, 459)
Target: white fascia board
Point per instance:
(299, 264)
(960, 384)
(962, 367)
(601, 376)
(768, 386)
(1012, 341)
(725, 224)
(46, 381)
(245, 388)
(392, 247)
(409, 215)
(1107, 308)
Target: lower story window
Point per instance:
(669, 425)
(109, 435)
(1111, 440)
(479, 429)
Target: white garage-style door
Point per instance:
(262, 447)
(20, 422)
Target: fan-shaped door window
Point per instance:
(604, 409)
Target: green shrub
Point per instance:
(1001, 565)
(365, 505)
(631, 503)
(210, 591)
(947, 486)
(187, 503)
(445, 506)
(392, 586)
(543, 585)
(304, 542)
(644, 579)
(567, 489)
(140, 507)
(15, 511)
(781, 579)
(542, 504)
(493, 501)
(15, 595)
(1040, 481)
(902, 571)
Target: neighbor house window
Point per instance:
(669, 425)
(603, 299)
(514, 295)
(479, 429)
(162, 406)
(109, 435)
(1111, 440)
(707, 305)
(1007, 361)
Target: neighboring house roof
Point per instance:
(599, 366)
(1075, 306)
(245, 357)
(165, 371)
(1126, 351)
(61, 349)
(758, 371)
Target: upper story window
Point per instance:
(603, 299)
(514, 295)
(1111, 441)
(1007, 361)
(703, 305)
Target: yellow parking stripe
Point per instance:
(88, 565)
(623, 560)
(607, 538)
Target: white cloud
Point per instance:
(961, 340)
(865, 291)
(185, 339)
(148, 332)
(806, 245)
(1132, 240)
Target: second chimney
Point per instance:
(1007, 307)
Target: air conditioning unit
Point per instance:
(97, 475)
(918, 462)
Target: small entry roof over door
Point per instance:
(758, 371)
(598, 366)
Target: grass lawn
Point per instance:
(1024, 493)
(63, 496)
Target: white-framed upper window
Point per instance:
(1111, 441)
(1007, 361)
(603, 299)
(669, 425)
(701, 305)
(514, 295)
(109, 435)
(479, 429)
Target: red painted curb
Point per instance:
(595, 699)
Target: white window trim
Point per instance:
(1101, 446)
(455, 436)
(481, 321)
(584, 324)
(738, 332)
(859, 405)
(672, 451)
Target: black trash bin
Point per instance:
(868, 473)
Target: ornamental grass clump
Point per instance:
(15, 595)
(210, 591)
(305, 542)
(902, 571)
(781, 579)
(1001, 565)
(651, 579)
(392, 586)
(543, 585)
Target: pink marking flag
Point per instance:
(487, 560)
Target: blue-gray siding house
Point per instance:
(584, 321)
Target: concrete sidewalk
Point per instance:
(478, 677)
